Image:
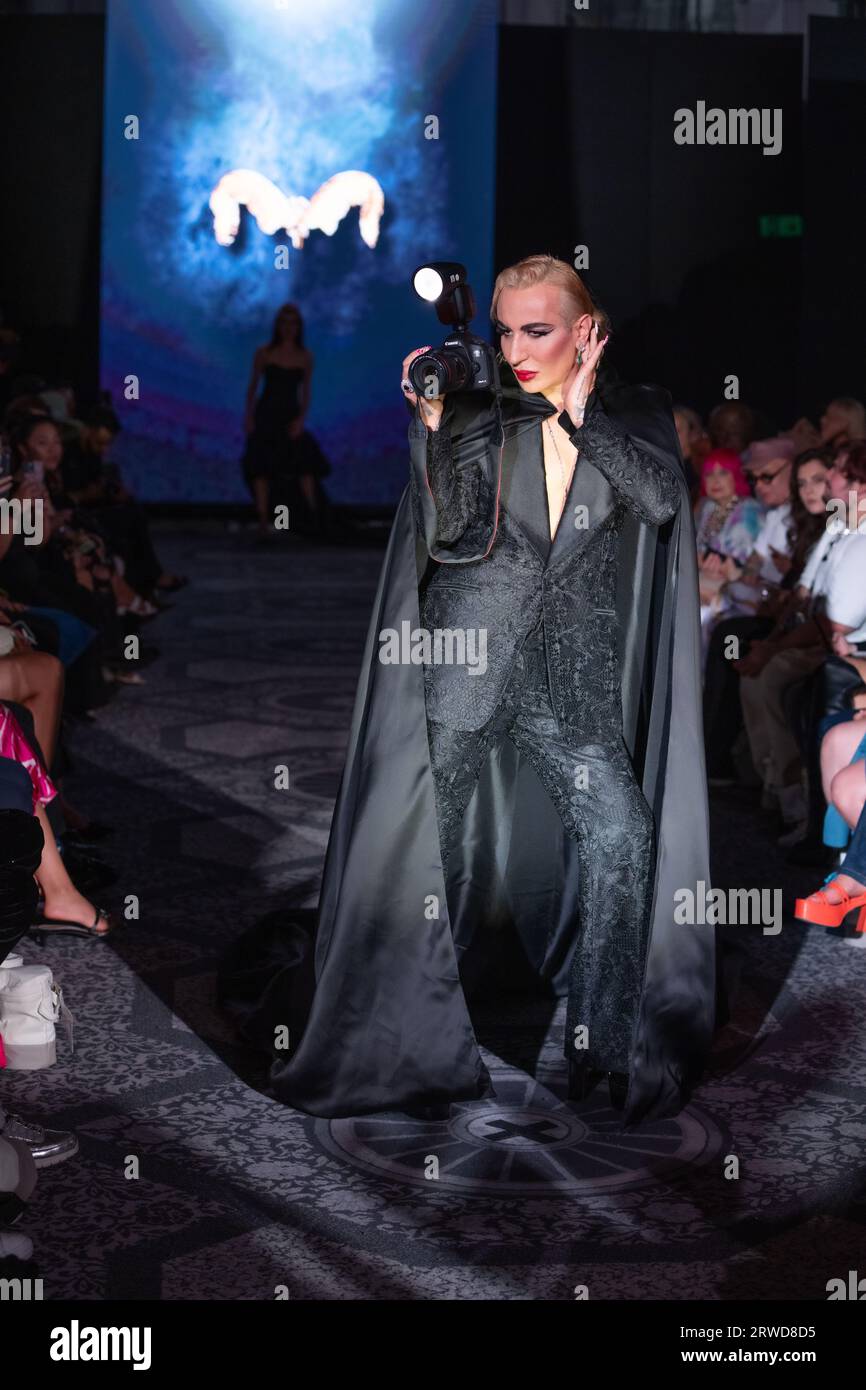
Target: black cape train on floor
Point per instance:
(376, 1008)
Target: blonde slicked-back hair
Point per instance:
(537, 270)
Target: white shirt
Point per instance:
(836, 571)
(773, 535)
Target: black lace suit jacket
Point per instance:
(495, 567)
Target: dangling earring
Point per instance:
(579, 356)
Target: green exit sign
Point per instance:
(781, 224)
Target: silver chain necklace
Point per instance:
(566, 472)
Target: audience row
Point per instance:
(79, 580)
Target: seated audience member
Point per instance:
(21, 844)
(60, 404)
(847, 528)
(832, 587)
(694, 445)
(59, 605)
(71, 571)
(76, 533)
(32, 682)
(732, 425)
(62, 635)
(52, 569)
(845, 890)
(790, 530)
(768, 467)
(66, 911)
(843, 422)
(844, 743)
(35, 680)
(727, 523)
(769, 471)
(95, 484)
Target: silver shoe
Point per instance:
(48, 1146)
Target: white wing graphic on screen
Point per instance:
(274, 210)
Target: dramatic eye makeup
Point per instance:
(535, 330)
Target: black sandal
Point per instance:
(58, 926)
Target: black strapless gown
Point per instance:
(269, 452)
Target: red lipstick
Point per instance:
(525, 376)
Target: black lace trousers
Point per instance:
(594, 790)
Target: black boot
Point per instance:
(617, 1083)
(582, 1080)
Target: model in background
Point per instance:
(280, 452)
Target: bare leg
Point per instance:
(123, 592)
(35, 680)
(262, 496)
(62, 898)
(837, 749)
(308, 488)
(848, 792)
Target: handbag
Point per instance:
(31, 1005)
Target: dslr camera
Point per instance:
(464, 362)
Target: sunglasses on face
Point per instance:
(768, 477)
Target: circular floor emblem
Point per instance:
(516, 1128)
(528, 1140)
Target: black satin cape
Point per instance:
(376, 1008)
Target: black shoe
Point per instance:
(62, 926)
(617, 1084)
(582, 1080)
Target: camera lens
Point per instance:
(434, 373)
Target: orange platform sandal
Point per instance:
(818, 909)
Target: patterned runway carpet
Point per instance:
(236, 1196)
